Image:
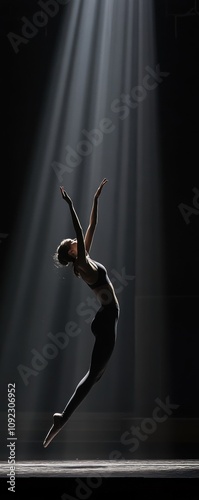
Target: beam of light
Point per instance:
(98, 57)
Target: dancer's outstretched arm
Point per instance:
(77, 227)
(93, 217)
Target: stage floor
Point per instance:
(103, 468)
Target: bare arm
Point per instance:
(93, 217)
(77, 227)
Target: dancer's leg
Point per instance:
(100, 357)
(103, 348)
(59, 419)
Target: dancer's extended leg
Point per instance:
(60, 419)
(103, 348)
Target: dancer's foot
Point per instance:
(56, 427)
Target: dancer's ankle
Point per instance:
(58, 420)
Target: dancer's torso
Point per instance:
(96, 277)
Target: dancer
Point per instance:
(104, 324)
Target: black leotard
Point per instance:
(103, 278)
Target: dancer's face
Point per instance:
(72, 247)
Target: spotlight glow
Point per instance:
(98, 120)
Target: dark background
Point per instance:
(23, 81)
(24, 77)
(178, 49)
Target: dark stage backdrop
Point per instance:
(24, 80)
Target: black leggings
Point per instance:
(104, 328)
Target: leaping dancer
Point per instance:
(104, 324)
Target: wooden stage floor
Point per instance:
(103, 480)
(105, 468)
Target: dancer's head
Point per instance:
(66, 252)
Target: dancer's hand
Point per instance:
(65, 196)
(99, 190)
